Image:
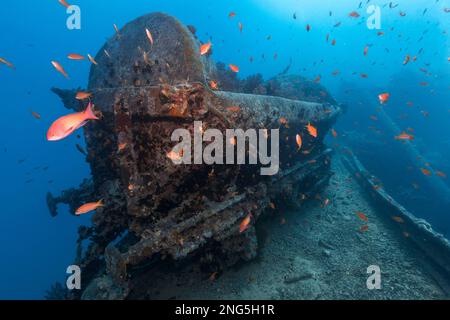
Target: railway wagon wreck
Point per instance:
(157, 210)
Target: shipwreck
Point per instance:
(156, 210)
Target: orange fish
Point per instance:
(121, 147)
(75, 56)
(58, 67)
(116, 28)
(81, 95)
(6, 62)
(366, 50)
(404, 136)
(384, 97)
(441, 174)
(234, 109)
(426, 172)
(234, 68)
(232, 15)
(317, 79)
(245, 223)
(398, 219)
(64, 3)
(407, 58)
(213, 85)
(362, 216)
(364, 228)
(36, 115)
(149, 36)
(380, 33)
(88, 207)
(175, 157)
(311, 130)
(354, 14)
(334, 133)
(66, 125)
(204, 48)
(298, 139)
(91, 59)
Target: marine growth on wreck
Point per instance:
(155, 210)
(256, 150)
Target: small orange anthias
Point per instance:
(245, 223)
(88, 207)
(66, 125)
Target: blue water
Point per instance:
(36, 249)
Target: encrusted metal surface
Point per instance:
(145, 92)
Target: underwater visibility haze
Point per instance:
(352, 95)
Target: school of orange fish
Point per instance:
(67, 125)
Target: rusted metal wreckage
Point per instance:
(155, 209)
